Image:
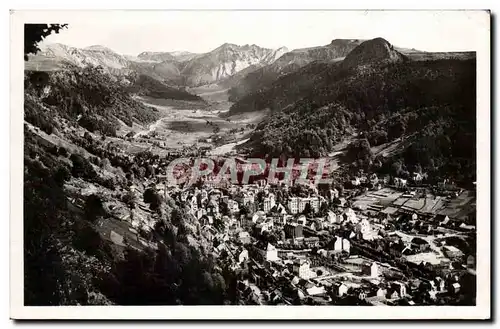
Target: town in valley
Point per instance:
(391, 221)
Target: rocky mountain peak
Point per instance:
(371, 51)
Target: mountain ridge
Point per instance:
(177, 67)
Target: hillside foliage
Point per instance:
(429, 104)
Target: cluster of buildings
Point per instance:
(313, 248)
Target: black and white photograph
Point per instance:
(255, 164)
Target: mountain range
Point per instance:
(243, 69)
(177, 68)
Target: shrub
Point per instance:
(153, 198)
(94, 208)
(82, 167)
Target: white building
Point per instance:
(302, 268)
(400, 183)
(316, 290)
(332, 218)
(194, 204)
(271, 253)
(334, 194)
(243, 256)
(293, 205)
(342, 245)
(233, 206)
(269, 203)
(301, 220)
(302, 204)
(371, 269)
(314, 201)
(341, 289)
(350, 216)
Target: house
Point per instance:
(293, 231)
(341, 244)
(317, 225)
(242, 255)
(438, 284)
(194, 204)
(370, 268)
(471, 262)
(350, 216)
(360, 293)
(400, 287)
(301, 220)
(316, 290)
(340, 289)
(244, 237)
(393, 294)
(259, 216)
(334, 194)
(233, 206)
(417, 177)
(247, 198)
(419, 244)
(269, 203)
(279, 209)
(381, 292)
(315, 203)
(442, 219)
(400, 182)
(271, 253)
(455, 287)
(332, 217)
(301, 267)
(311, 242)
(452, 252)
(302, 204)
(364, 228)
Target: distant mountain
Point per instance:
(226, 61)
(277, 85)
(56, 55)
(289, 62)
(180, 56)
(376, 50)
(178, 68)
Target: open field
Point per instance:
(392, 200)
(187, 123)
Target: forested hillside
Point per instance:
(421, 101)
(80, 190)
(88, 97)
(145, 85)
(262, 78)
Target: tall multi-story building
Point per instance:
(302, 204)
(314, 201)
(293, 205)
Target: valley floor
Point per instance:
(188, 124)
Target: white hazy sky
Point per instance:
(132, 32)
